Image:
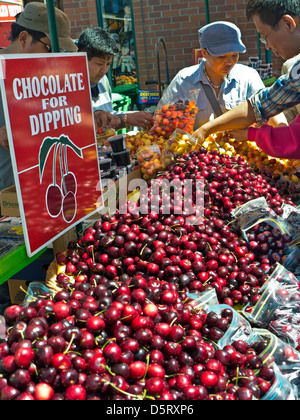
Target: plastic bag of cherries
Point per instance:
(203, 300)
(278, 310)
(271, 242)
(273, 350)
(223, 326)
(252, 210)
(281, 389)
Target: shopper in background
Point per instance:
(278, 23)
(219, 83)
(30, 34)
(293, 112)
(101, 47)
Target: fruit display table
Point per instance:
(188, 293)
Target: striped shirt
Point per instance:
(103, 100)
(284, 94)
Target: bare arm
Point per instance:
(237, 119)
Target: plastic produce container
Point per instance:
(118, 143)
(122, 158)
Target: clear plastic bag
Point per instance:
(204, 300)
(271, 240)
(35, 291)
(180, 143)
(271, 349)
(278, 310)
(250, 212)
(174, 113)
(281, 390)
(284, 276)
(238, 328)
(254, 209)
(292, 215)
(150, 161)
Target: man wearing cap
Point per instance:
(219, 82)
(30, 34)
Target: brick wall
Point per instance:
(82, 13)
(177, 22)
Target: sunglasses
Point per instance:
(49, 48)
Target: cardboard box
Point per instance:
(9, 202)
(17, 295)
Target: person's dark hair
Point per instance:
(17, 29)
(97, 42)
(271, 11)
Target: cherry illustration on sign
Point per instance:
(60, 198)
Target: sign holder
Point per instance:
(52, 143)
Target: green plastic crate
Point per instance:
(14, 262)
(121, 103)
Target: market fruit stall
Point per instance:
(178, 299)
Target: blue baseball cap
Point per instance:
(220, 38)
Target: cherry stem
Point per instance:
(66, 159)
(54, 164)
(70, 343)
(139, 397)
(62, 170)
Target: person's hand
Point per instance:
(105, 120)
(4, 138)
(141, 119)
(238, 135)
(201, 135)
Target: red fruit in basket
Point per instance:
(112, 352)
(54, 200)
(209, 379)
(150, 310)
(95, 324)
(24, 356)
(61, 362)
(244, 394)
(9, 364)
(25, 396)
(43, 392)
(11, 313)
(61, 310)
(137, 370)
(264, 386)
(20, 378)
(9, 393)
(155, 386)
(75, 393)
(267, 373)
